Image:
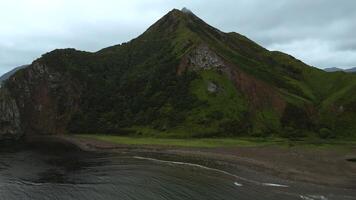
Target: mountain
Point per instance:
(180, 78)
(335, 69)
(8, 74)
(351, 70)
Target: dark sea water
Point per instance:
(54, 172)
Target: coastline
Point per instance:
(325, 167)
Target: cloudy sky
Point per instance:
(322, 33)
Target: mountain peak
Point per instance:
(173, 19)
(186, 10)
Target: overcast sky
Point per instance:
(322, 33)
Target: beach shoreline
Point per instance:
(315, 166)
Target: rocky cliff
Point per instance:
(10, 124)
(37, 100)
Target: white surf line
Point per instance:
(319, 197)
(313, 197)
(274, 185)
(305, 197)
(28, 183)
(237, 184)
(199, 166)
(24, 182)
(212, 169)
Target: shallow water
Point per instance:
(64, 173)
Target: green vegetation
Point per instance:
(221, 109)
(202, 142)
(222, 142)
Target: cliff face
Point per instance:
(37, 100)
(10, 126)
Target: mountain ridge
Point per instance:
(335, 69)
(351, 70)
(11, 72)
(180, 78)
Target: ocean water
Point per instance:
(61, 172)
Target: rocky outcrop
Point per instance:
(212, 87)
(38, 100)
(10, 126)
(202, 58)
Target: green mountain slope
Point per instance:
(183, 78)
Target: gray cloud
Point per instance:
(319, 32)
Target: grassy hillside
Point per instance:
(331, 144)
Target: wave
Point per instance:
(212, 169)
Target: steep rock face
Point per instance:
(204, 58)
(45, 99)
(10, 127)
